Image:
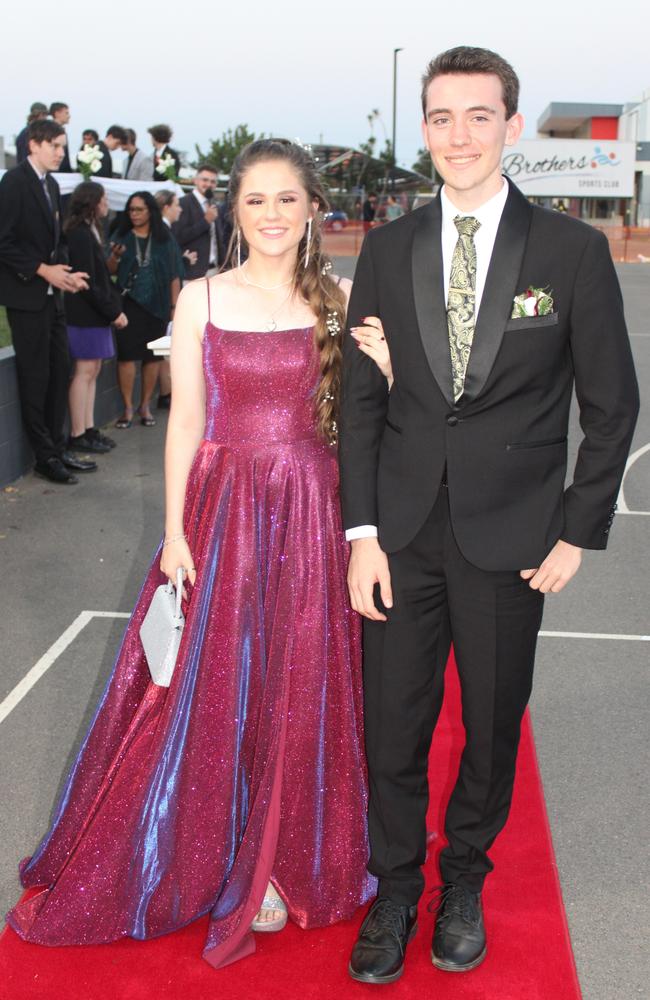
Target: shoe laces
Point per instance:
(450, 900)
(388, 916)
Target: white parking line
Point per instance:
(594, 635)
(47, 659)
(622, 505)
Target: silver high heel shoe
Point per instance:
(271, 901)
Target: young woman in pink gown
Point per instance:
(240, 790)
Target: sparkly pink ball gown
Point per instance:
(186, 800)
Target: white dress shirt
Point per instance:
(203, 201)
(489, 215)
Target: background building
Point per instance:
(616, 131)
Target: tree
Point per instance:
(424, 164)
(222, 152)
(374, 175)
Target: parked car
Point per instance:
(336, 219)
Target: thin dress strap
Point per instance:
(207, 285)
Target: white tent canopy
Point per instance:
(117, 190)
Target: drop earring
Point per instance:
(238, 247)
(308, 245)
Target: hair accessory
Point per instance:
(308, 245)
(303, 145)
(327, 267)
(333, 325)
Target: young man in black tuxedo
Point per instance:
(161, 136)
(33, 274)
(460, 471)
(114, 139)
(199, 227)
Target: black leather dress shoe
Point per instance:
(78, 464)
(459, 938)
(85, 444)
(378, 955)
(54, 470)
(94, 434)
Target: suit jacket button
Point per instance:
(452, 420)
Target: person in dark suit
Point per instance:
(161, 136)
(37, 112)
(493, 310)
(60, 113)
(199, 228)
(114, 139)
(33, 273)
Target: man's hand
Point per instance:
(368, 566)
(561, 565)
(62, 276)
(211, 212)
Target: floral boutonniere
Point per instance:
(532, 302)
(167, 167)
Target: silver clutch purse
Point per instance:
(161, 630)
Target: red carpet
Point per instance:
(529, 951)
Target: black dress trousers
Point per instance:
(493, 619)
(40, 342)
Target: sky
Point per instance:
(308, 71)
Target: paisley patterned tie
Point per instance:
(461, 301)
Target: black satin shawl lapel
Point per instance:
(499, 291)
(429, 294)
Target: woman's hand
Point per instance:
(120, 321)
(371, 340)
(176, 555)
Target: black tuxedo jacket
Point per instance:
(193, 233)
(65, 167)
(504, 444)
(101, 303)
(106, 168)
(30, 235)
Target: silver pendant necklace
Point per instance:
(143, 261)
(272, 325)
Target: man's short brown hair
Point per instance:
(466, 60)
(160, 133)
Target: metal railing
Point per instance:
(628, 244)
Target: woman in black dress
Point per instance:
(89, 314)
(148, 275)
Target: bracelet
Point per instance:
(172, 538)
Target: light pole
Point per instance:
(395, 51)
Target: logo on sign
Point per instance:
(600, 159)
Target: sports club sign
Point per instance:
(571, 168)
